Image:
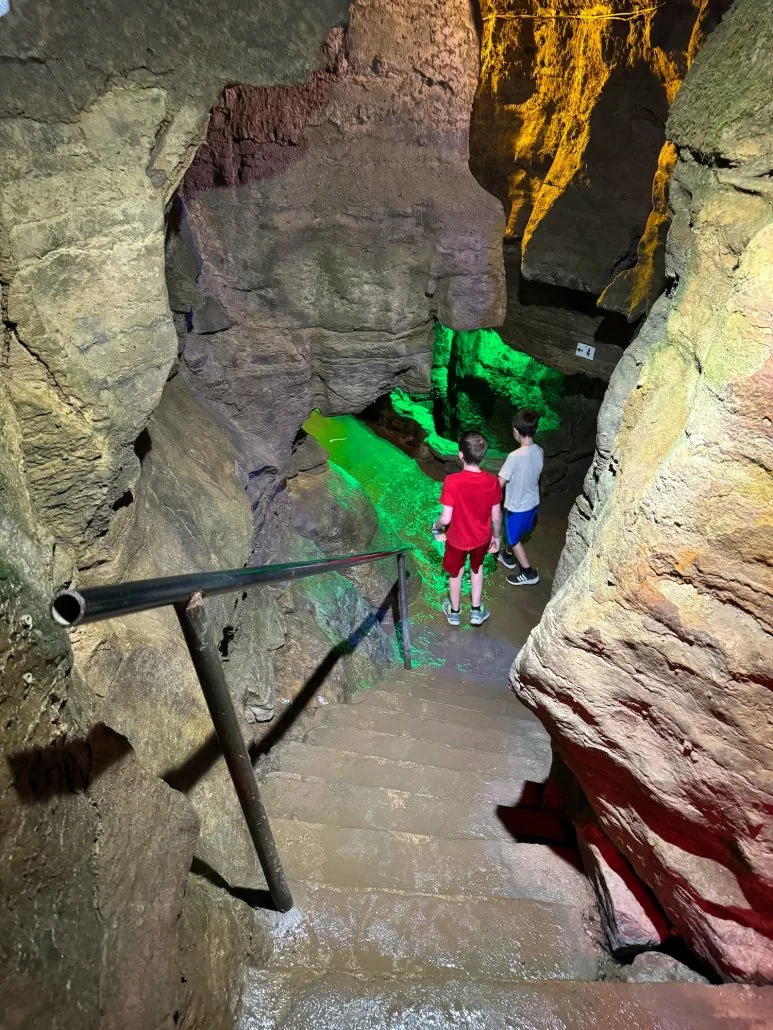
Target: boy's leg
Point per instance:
(521, 555)
(521, 524)
(476, 587)
(505, 555)
(455, 590)
(480, 612)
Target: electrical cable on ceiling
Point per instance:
(543, 15)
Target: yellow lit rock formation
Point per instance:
(545, 67)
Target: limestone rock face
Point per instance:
(193, 514)
(219, 935)
(652, 663)
(332, 222)
(629, 915)
(96, 129)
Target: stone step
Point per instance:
(340, 803)
(387, 860)
(516, 739)
(469, 786)
(464, 685)
(421, 709)
(531, 760)
(496, 702)
(346, 1002)
(413, 935)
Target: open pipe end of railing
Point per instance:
(68, 608)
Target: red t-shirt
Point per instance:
(472, 495)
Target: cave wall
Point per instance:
(568, 130)
(651, 666)
(101, 110)
(325, 226)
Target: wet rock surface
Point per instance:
(354, 1003)
(653, 967)
(651, 666)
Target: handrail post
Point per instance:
(206, 661)
(402, 582)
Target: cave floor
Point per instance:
(486, 653)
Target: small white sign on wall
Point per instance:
(584, 350)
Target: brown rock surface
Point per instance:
(97, 125)
(568, 130)
(652, 663)
(350, 220)
(94, 850)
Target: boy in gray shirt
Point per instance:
(520, 477)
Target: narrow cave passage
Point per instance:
(401, 448)
(388, 222)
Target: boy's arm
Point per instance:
(496, 528)
(443, 521)
(505, 473)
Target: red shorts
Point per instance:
(454, 559)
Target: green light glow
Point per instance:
(406, 500)
(477, 380)
(420, 410)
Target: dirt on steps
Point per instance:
(359, 857)
(531, 761)
(413, 777)
(339, 803)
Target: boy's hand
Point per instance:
(438, 532)
(493, 546)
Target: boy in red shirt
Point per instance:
(470, 523)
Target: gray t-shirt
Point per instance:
(521, 472)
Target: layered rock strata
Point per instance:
(97, 125)
(652, 664)
(331, 223)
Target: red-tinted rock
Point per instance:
(630, 915)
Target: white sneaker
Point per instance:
(454, 618)
(478, 616)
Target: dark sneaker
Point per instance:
(479, 616)
(524, 578)
(454, 618)
(508, 560)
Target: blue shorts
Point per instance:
(518, 524)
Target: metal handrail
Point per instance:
(73, 608)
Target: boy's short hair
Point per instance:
(525, 422)
(473, 446)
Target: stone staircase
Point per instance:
(415, 907)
